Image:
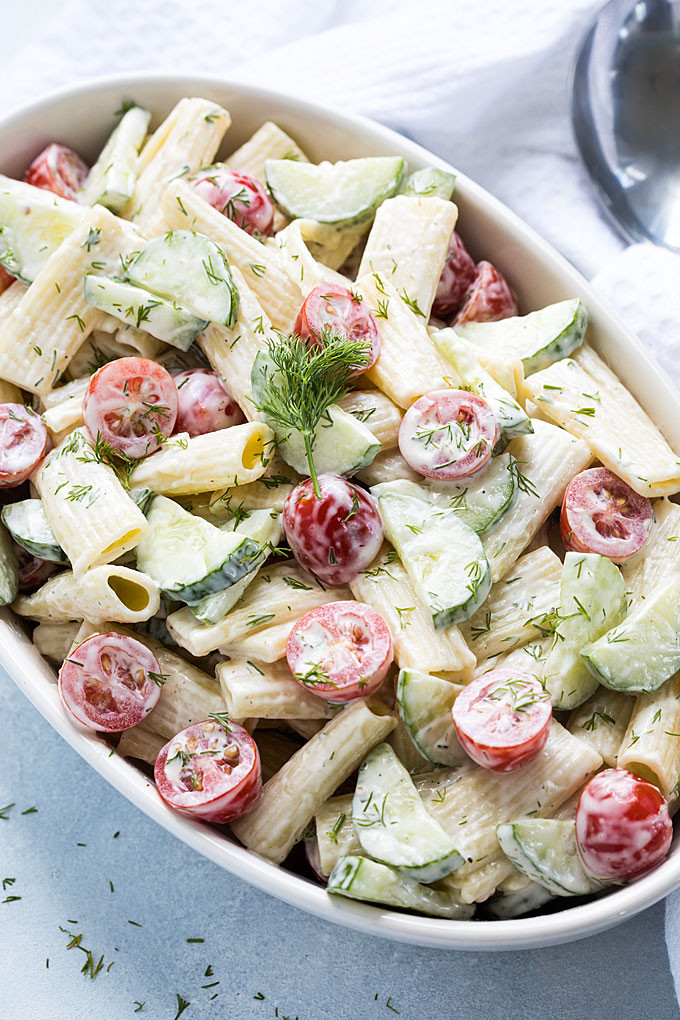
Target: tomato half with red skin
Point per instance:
(503, 719)
(330, 308)
(239, 197)
(457, 277)
(33, 572)
(488, 298)
(602, 514)
(5, 280)
(203, 403)
(59, 169)
(132, 404)
(623, 827)
(23, 441)
(210, 771)
(448, 434)
(340, 651)
(335, 535)
(107, 682)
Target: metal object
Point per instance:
(626, 116)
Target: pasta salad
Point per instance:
(316, 525)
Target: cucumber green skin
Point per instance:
(563, 873)
(174, 325)
(506, 905)
(430, 182)
(142, 498)
(232, 570)
(561, 346)
(111, 180)
(433, 735)
(360, 878)
(360, 215)
(27, 241)
(17, 519)
(9, 569)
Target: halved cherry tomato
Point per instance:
(59, 169)
(448, 434)
(210, 770)
(623, 827)
(503, 719)
(110, 682)
(204, 403)
(132, 403)
(488, 298)
(457, 277)
(23, 440)
(33, 572)
(602, 514)
(239, 197)
(340, 651)
(5, 280)
(334, 536)
(331, 308)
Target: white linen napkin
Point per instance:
(485, 86)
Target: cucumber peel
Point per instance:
(29, 527)
(430, 182)
(111, 180)
(134, 305)
(362, 879)
(544, 849)
(425, 704)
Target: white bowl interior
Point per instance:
(82, 117)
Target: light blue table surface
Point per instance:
(255, 945)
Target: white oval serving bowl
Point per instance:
(82, 116)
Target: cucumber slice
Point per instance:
(430, 181)
(425, 704)
(33, 223)
(443, 556)
(393, 825)
(189, 558)
(479, 501)
(544, 849)
(111, 180)
(644, 651)
(162, 319)
(29, 527)
(342, 193)
(512, 419)
(342, 444)
(189, 270)
(9, 569)
(506, 905)
(592, 601)
(538, 339)
(265, 528)
(142, 497)
(362, 879)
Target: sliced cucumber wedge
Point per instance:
(430, 181)
(538, 339)
(29, 527)
(111, 180)
(9, 569)
(263, 527)
(517, 902)
(512, 419)
(479, 502)
(161, 318)
(644, 651)
(592, 601)
(190, 270)
(342, 193)
(142, 497)
(33, 223)
(425, 704)
(189, 558)
(544, 849)
(362, 879)
(342, 444)
(393, 825)
(444, 557)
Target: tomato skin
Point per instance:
(491, 730)
(59, 169)
(349, 642)
(488, 298)
(448, 452)
(105, 682)
(623, 827)
(457, 277)
(335, 536)
(331, 307)
(33, 572)
(239, 197)
(219, 792)
(23, 442)
(204, 405)
(5, 280)
(602, 514)
(119, 405)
